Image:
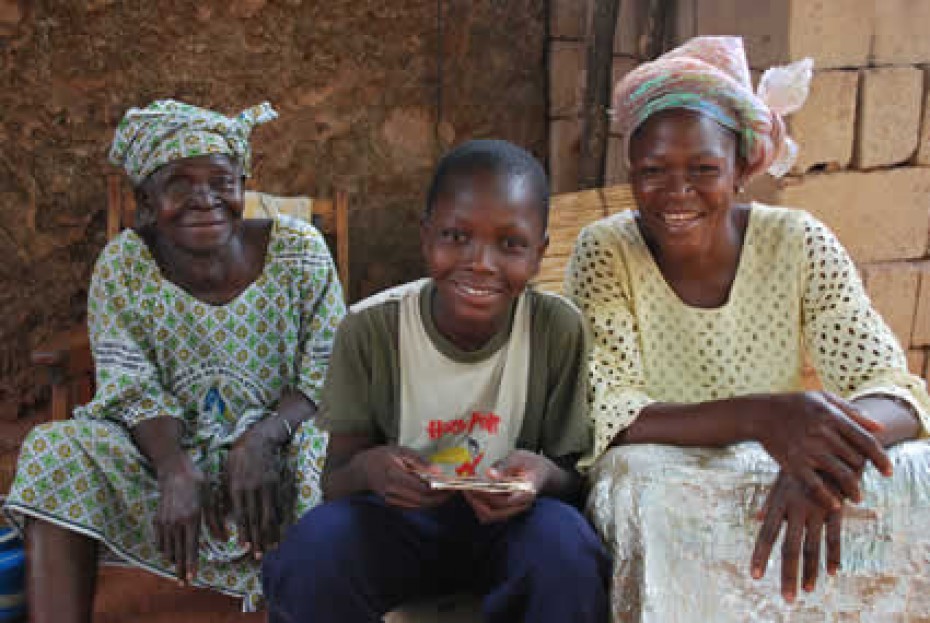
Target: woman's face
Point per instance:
(684, 172)
(197, 202)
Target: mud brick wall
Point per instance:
(369, 94)
(864, 134)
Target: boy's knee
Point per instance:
(561, 539)
(315, 552)
(317, 537)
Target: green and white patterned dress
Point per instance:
(218, 368)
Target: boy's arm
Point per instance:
(565, 483)
(342, 476)
(565, 432)
(556, 477)
(355, 464)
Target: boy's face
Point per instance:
(482, 243)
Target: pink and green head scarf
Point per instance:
(710, 75)
(166, 130)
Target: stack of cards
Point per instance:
(473, 483)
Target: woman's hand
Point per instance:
(180, 504)
(789, 502)
(253, 480)
(493, 507)
(393, 473)
(814, 433)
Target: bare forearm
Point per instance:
(711, 424)
(344, 481)
(293, 409)
(898, 420)
(159, 439)
(344, 473)
(563, 482)
(745, 418)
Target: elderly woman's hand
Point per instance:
(789, 503)
(253, 484)
(180, 504)
(814, 433)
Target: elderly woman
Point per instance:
(211, 336)
(703, 309)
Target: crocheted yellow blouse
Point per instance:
(796, 290)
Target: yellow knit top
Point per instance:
(796, 291)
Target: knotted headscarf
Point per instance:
(710, 75)
(165, 130)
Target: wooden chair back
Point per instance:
(330, 215)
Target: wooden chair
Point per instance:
(66, 357)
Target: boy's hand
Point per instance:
(494, 507)
(789, 502)
(392, 473)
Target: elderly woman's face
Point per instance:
(684, 172)
(197, 202)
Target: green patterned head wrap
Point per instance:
(166, 130)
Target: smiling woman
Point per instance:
(211, 336)
(195, 201)
(703, 309)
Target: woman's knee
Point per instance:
(641, 459)
(47, 448)
(62, 440)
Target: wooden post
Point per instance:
(595, 124)
(342, 239)
(114, 205)
(658, 29)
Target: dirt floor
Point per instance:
(133, 596)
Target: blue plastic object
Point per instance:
(12, 576)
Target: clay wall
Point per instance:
(369, 93)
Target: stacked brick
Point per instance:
(864, 134)
(569, 22)
(864, 138)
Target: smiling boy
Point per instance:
(466, 372)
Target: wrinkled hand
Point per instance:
(788, 502)
(494, 507)
(177, 522)
(253, 481)
(393, 473)
(814, 433)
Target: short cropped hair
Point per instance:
(500, 158)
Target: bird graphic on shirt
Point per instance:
(466, 458)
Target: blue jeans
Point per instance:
(355, 559)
